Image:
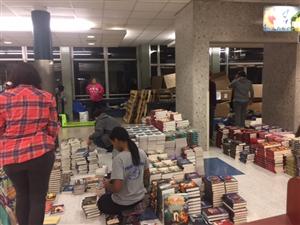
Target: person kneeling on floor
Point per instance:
(129, 177)
(103, 128)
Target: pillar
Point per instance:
(281, 85)
(67, 79)
(43, 48)
(144, 66)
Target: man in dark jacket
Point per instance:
(212, 104)
(243, 95)
(104, 125)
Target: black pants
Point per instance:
(92, 106)
(107, 206)
(31, 180)
(211, 122)
(240, 111)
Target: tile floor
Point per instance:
(264, 191)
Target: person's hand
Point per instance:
(106, 183)
(89, 142)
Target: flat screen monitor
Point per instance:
(281, 19)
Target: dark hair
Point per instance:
(24, 73)
(99, 111)
(121, 134)
(242, 74)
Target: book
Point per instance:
(57, 209)
(111, 220)
(51, 220)
(215, 214)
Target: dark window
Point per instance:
(122, 76)
(254, 74)
(167, 55)
(122, 53)
(154, 71)
(88, 53)
(165, 70)
(246, 55)
(10, 52)
(84, 71)
(153, 55)
(233, 70)
(55, 53)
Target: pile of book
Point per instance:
(80, 159)
(292, 161)
(76, 146)
(55, 178)
(235, 148)
(215, 214)
(65, 154)
(274, 158)
(231, 184)
(193, 194)
(246, 156)
(192, 137)
(182, 124)
(170, 144)
(165, 125)
(181, 141)
(237, 207)
(91, 184)
(186, 165)
(92, 161)
(260, 156)
(214, 190)
(65, 178)
(79, 187)
(51, 220)
(90, 208)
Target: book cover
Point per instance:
(57, 209)
(175, 210)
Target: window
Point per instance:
(55, 53)
(153, 55)
(11, 53)
(165, 70)
(154, 71)
(167, 55)
(122, 76)
(88, 53)
(246, 54)
(122, 53)
(84, 71)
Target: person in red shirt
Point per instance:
(28, 131)
(95, 92)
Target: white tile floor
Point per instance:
(264, 191)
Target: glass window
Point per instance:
(165, 70)
(122, 76)
(88, 53)
(233, 70)
(84, 71)
(167, 55)
(154, 71)
(254, 73)
(122, 53)
(153, 55)
(246, 54)
(55, 53)
(10, 52)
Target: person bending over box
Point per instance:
(103, 128)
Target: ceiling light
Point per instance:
(91, 43)
(172, 36)
(57, 24)
(117, 28)
(90, 36)
(7, 42)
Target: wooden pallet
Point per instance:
(141, 109)
(130, 107)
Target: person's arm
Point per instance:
(251, 93)
(232, 84)
(117, 176)
(52, 128)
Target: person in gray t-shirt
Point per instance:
(242, 96)
(130, 175)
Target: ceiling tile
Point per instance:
(143, 15)
(119, 5)
(149, 6)
(116, 14)
(139, 21)
(166, 15)
(87, 4)
(174, 7)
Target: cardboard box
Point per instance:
(170, 80)
(258, 90)
(256, 107)
(157, 82)
(221, 80)
(224, 95)
(222, 109)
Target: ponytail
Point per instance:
(121, 134)
(135, 154)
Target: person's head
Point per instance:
(60, 88)
(121, 142)
(22, 73)
(241, 74)
(99, 111)
(93, 81)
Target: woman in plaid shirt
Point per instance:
(28, 130)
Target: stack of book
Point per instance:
(274, 158)
(237, 207)
(182, 124)
(165, 125)
(51, 220)
(235, 148)
(170, 144)
(75, 144)
(260, 156)
(215, 214)
(186, 165)
(112, 220)
(175, 116)
(193, 192)
(92, 160)
(79, 187)
(55, 178)
(181, 141)
(231, 184)
(65, 179)
(80, 159)
(214, 190)
(91, 184)
(226, 145)
(199, 160)
(189, 154)
(223, 222)
(65, 152)
(192, 137)
(90, 208)
(246, 156)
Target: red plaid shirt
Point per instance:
(28, 124)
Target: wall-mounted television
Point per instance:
(281, 19)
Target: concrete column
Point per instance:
(68, 79)
(144, 66)
(281, 80)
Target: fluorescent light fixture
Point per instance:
(23, 24)
(7, 42)
(90, 36)
(91, 43)
(117, 28)
(172, 36)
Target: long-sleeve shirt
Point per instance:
(95, 91)
(242, 89)
(28, 124)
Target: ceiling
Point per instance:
(118, 22)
